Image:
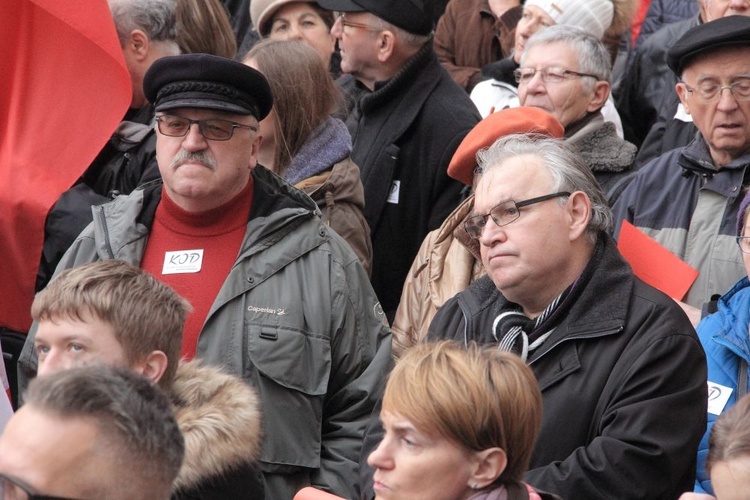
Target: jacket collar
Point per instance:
(408, 88)
(601, 308)
(734, 316)
(600, 147)
(695, 159)
(219, 416)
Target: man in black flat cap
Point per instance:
(687, 199)
(278, 298)
(406, 123)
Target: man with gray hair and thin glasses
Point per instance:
(567, 72)
(607, 349)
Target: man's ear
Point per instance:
(255, 150)
(599, 97)
(153, 366)
(487, 466)
(138, 44)
(682, 93)
(579, 214)
(386, 41)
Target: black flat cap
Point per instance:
(207, 82)
(414, 16)
(723, 32)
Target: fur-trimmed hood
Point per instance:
(219, 416)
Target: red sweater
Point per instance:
(217, 234)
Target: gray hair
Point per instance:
(134, 417)
(564, 164)
(593, 57)
(156, 18)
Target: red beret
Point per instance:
(522, 120)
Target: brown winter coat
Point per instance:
(468, 36)
(339, 194)
(443, 267)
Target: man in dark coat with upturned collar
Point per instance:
(408, 119)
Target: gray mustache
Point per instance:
(200, 157)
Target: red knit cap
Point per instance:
(522, 120)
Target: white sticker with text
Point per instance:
(393, 195)
(718, 395)
(183, 262)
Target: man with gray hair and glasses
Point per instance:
(608, 350)
(93, 432)
(687, 198)
(566, 71)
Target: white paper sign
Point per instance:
(718, 395)
(682, 114)
(394, 194)
(183, 262)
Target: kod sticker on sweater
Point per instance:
(182, 262)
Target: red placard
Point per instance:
(654, 264)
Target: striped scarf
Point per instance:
(517, 333)
(513, 330)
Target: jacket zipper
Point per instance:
(597, 335)
(108, 245)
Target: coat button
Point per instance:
(250, 279)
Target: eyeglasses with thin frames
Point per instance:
(744, 243)
(504, 213)
(12, 489)
(350, 24)
(213, 129)
(550, 74)
(708, 92)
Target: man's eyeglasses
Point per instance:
(504, 213)
(11, 489)
(550, 74)
(213, 130)
(711, 91)
(744, 243)
(351, 24)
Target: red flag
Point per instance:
(63, 90)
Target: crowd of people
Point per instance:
(339, 244)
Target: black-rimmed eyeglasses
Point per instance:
(504, 213)
(744, 243)
(12, 489)
(213, 130)
(550, 74)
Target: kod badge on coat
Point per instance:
(182, 262)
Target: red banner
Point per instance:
(63, 90)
